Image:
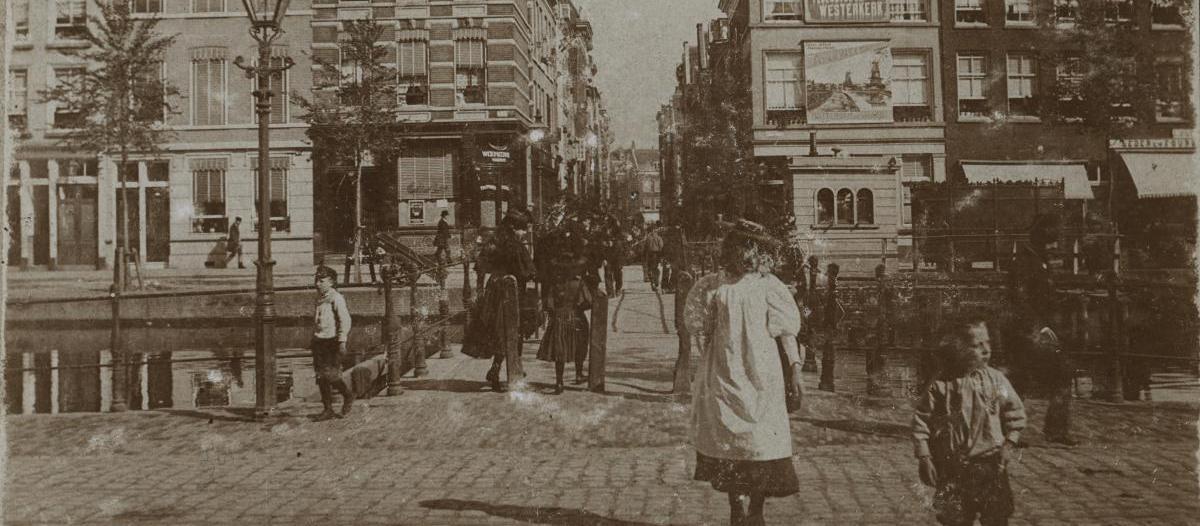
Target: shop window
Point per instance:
(865, 207)
(972, 85)
(825, 206)
(1022, 85)
(969, 12)
(910, 87)
(845, 207)
(208, 196)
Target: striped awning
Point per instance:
(216, 163)
(1073, 176)
(470, 33)
(412, 35)
(1162, 174)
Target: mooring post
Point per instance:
(828, 360)
(395, 360)
(418, 329)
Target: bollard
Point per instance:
(828, 359)
(394, 357)
(682, 383)
(418, 323)
(598, 341)
(1118, 342)
(812, 301)
(444, 312)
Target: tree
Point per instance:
(353, 112)
(117, 97)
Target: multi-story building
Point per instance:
(62, 202)
(1017, 89)
(845, 105)
(479, 76)
(584, 131)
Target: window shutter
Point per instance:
(201, 96)
(217, 92)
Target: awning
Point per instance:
(1072, 175)
(1162, 174)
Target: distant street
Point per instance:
(449, 452)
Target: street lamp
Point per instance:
(536, 134)
(266, 21)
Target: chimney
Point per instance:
(812, 144)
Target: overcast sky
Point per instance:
(636, 45)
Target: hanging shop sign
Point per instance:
(848, 82)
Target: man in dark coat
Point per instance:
(441, 240)
(233, 246)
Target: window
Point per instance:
(845, 207)
(825, 206)
(907, 10)
(470, 72)
(279, 190)
(969, 12)
(277, 84)
(906, 209)
(70, 21)
(1165, 13)
(67, 116)
(865, 207)
(18, 98)
(785, 88)
(208, 195)
(208, 6)
(1018, 12)
(1118, 11)
(1022, 84)
(413, 68)
(1169, 101)
(145, 6)
(426, 171)
(914, 169)
(20, 9)
(972, 93)
(1123, 87)
(910, 87)
(1066, 11)
(1068, 76)
(208, 89)
(783, 10)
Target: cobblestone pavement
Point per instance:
(448, 452)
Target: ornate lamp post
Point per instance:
(266, 20)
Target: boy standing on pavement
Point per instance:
(331, 329)
(441, 240)
(965, 427)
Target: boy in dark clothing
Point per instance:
(965, 426)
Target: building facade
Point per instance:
(845, 103)
(62, 203)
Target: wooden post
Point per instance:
(1083, 331)
(598, 341)
(683, 361)
(875, 357)
(828, 360)
(1117, 342)
(418, 324)
(812, 301)
(395, 360)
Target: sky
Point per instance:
(636, 45)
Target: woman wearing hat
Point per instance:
(740, 418)
(566, 298)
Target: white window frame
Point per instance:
(923, 79)
(796, 14)
(222, 6)
(797, 80)
(20, 26)
(224, 92)
(405, 82)
(18, 100)
(143, 6)
(976, 7)
(196, 215)
(1018, 13)
(1022, 81)
(1071, 10)
(53, 107)
(76, 20)
(972, 77)
(461, 77)
(908, 11)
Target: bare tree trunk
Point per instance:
(358, 226)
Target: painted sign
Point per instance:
(848, 82)
(1152, 144)
(825, 11)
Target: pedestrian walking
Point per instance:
(653, 245)
(567, 298)
(495, 326)
(233, 245)
(743, 318)
(331, 331)
(441, 240)
(965, 427)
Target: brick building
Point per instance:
(62, 203)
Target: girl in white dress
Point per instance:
(740, 419)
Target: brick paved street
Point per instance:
(447, 452)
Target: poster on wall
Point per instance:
(416, 212)
(848, 82)
(823, 11)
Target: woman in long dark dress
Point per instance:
(566, 300)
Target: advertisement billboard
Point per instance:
(848, 82)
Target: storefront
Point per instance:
(1155, 200)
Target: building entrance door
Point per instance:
(158, 224)
(14, 226)
(77, 236)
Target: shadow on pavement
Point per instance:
(228, 414)
(451, 386)
(864, 427)
(535, 515)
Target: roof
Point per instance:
(1162, 174)
(1073, 175)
